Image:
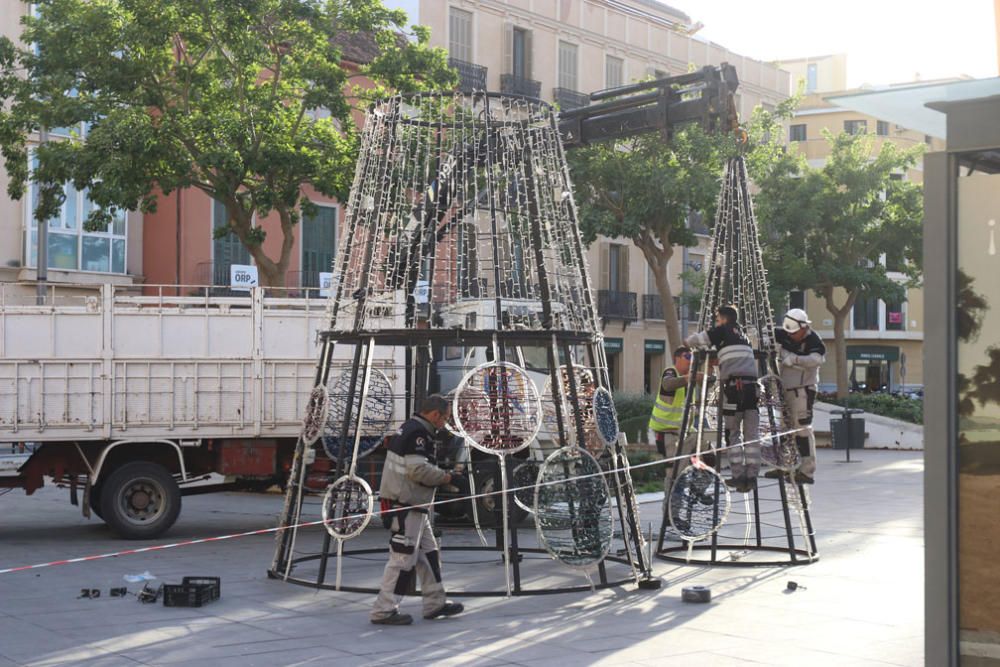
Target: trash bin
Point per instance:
(848, 426)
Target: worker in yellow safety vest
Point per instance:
(668, 410)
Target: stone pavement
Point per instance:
(862, 603)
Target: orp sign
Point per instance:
(242, 277)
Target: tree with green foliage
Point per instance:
(644, 189)
(216, 95)
(826, 229)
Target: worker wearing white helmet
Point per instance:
(802, 353)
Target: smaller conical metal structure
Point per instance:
(770, 524)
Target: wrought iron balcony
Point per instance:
(569, 99)
(516, 85)
(470, 75)
(652, 307)
(617, 305)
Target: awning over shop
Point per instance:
(655, 346)
(873, 352)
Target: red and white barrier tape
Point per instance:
(306, 524)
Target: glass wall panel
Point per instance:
(978, 357)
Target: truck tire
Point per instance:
(140, 500)
(488, 506)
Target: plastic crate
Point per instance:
(192, 592)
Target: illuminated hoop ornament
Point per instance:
(347, 507)
(377, 420)
(497, 407)
(585, 388)
(606, 417)
(699, 502)
(525, 477)
(784, 454)
(573, 508)
(316, 414)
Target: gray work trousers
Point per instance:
(743, 461)
(413, 551)
(800, 408)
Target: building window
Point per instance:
(227, 249)
(797, 132)
(882, 128)
(866, 314)
(895, 318)
(521, 53)
(812, 76)
(614, 72)
(319, 244)
(855, 126)
(617, 268)
(567, 66)
(70, 248)
(797, 299)
(460, 34)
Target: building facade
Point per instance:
(562, 50)
(884, 340)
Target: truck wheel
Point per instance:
(489, 505)
(140, 500)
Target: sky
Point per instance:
(886, 41)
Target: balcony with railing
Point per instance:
(569, 99)
(516, 85)
(652, 307)
(617, 305)
(470, 75)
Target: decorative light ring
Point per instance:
(699, 502)
(377, 422)
(497, 407)
(523, 479)
(317, 409)
(347, 507)
(573, 508)
(585, 388)
(606, 417)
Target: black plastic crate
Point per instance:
(214, 582)
(192, 592)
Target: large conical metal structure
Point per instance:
(462, 271)
(773, 518)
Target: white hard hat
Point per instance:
(795, 319)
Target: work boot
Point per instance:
(774, 473)
(447, 609)
(802, 478)
(395, 618)
(734, 483)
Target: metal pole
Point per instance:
(42, 270)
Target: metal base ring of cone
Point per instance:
(626, 578)
(678, 555)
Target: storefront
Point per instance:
(654, 361)
(613, 348)
(873, 368)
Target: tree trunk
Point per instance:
(840, 342)
(271, 273)
(669, 310)
(840, 345)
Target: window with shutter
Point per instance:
(614, 72)
(460, 34)
(568, 66)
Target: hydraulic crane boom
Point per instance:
(704, 96)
